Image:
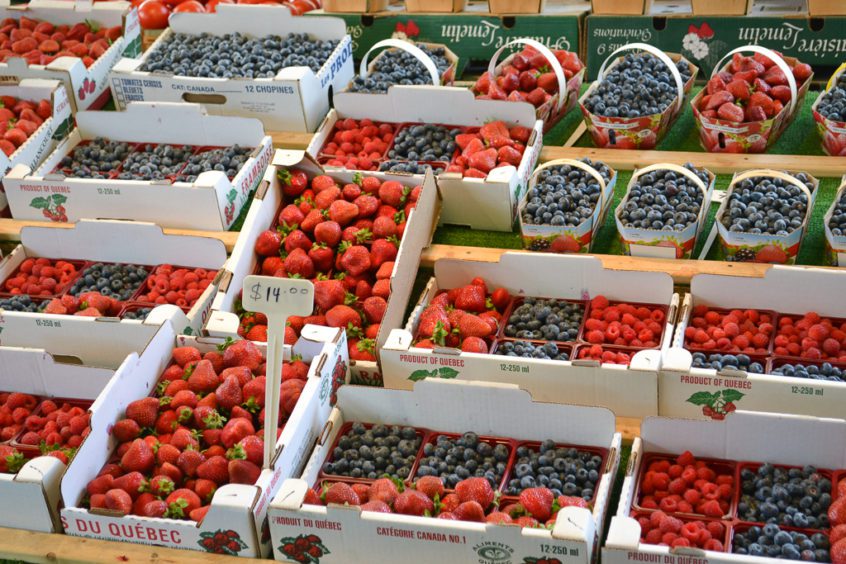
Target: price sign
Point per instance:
(277, 298)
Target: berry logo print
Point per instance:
(541, 560)
(442, 372)
(229, 212)
(52, 207)
(222, 542)
(304, 548)
(718, 404)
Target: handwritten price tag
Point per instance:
(278, 298)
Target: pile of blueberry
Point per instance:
(525, 349)
(410, 167)
(236, 55)
(118, 281)
(227, 160)
(372, 453)
(467, 456)
(792, 497)
(20, 303)
(545, 319)
(837, 223)
(564, 470)
(564, 195)
(833, 103)
(727, 361)
(768, 206)
(155, 162)
(95, 159)
(664, 200)
(824, 371)
(424, 143)
(400, 67)
(770, 541)
(140, 313)
(639, 85)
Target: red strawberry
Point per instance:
(298, 263)
(520, 134)
(761, 99)
(249, 448)
(188, 462)
(296, 239)
(433, 321)
(431, 486)
(183, 355)
(538, 502)
(235, 430)
(731, 112)
(139, 457)
(499, 518)
(125, 430)
(377, 506)
(374, 309)
(215, 469)
(384, 490)
(343, 212)
(739, 89)
(322, 257)
(475, 489)
(328, 233)
(181, 503)
(161, 485)
(119, 500)
(471, 298)
(343, 316)
(838, 552)
(382, 251)
(341, 494)
(243, 353)
(413, 502)
(472, 326)
(328, 294)
(715, 84)
(356, 260)
(203, 379)
(484, 161)
(229, 393)
(469, 511)
(291, 215)
(474, 345)
(268, 243)
(509, 155)
(143, 411)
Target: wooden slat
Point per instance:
(10, 230)
(681, 270)
(64, 549)
(290, 139)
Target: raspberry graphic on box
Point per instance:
(718, 404)
(222, 542)
(304, 548)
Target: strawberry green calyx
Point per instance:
(15, 462)
(237, 452)
(214, 420)
(358, 178)
(440, 334)
(284, 175)
(225, 344)
(184, 414)
(176, 509)
(366, 345)
(251, 405)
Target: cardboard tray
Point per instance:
(777, 290)
(111, 241)
(630, 391)
(296, 99)
(70, 70)
(835, 245)
(235, 507)
(348, 534)
(212, 202)
(223, 320)
(481, 203)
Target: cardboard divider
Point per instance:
(211, 202)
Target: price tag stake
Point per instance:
(278, 299)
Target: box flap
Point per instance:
(257, 21)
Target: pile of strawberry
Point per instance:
(660, 528)
(56, 428)
(837, 518)
(749, 89)
(14, 409)
(343, 238)
(40, 43)
(624, 324)
(811, 337)
(746, 331)
(357, 145)
(467, 318)
(19, 119)
(179, 286)
(472, 500)
(41, 277)
(605, 356)
(686, 485)
(200, 430)
(489, 147)
(527, 77)
(87, 304)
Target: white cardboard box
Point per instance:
(790, 290)
(69, 369)
(70, 70)
(351, 535)
(234, 507)
(212, 202)
(480, 203)
(296, 99)
(111, 241)
(629, 391)
(748, 437)
(42, 142)
(223, 320)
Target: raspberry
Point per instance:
(711, 509)
(712, 317)
(680, 542)
(653, 537)
(668, 538)
(692, 497)
(714, 545)
(669, 505)
(690, 531)
(656, 517)
(675, 470)
(678, 486)
(670, 524)
(716, 529)
(595, 337)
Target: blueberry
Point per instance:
(467, 457)
(563, 195)
(568, 470)
(832, 104)
(400, 67)
(531, 320)
(110, 280)
(766, 205)
(425, 142)
(20, 303)
(525, 349)
(140, 313)
(664, 200)
(97, 158)
(823, 372)
(357, 455)
(792, 497)
(722, 361)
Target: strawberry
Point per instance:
(328, 233)
(341, 494)
(376, 506)
(739, 89)
(155, 508)
(356, 260)
(382, 251)
(374, 309)
(291, 216)
(717, 100)
(475, 489)
(413, 502)
(322, 257)
(139, 457)
(731, 112)
(474, 345)
(184, 355)
(343, 316)
(188, 462)
(161, 485)
(469, 511)
(100, 485)
(126, 430)
(312, 220)
(715, 84)
(203, 379)
(268, 243)
(235, 430)
(499, 518)
(215, 469)
(393, 193)
(431, 486)
(119, 500)
(297, 239)
(243, 353)
(298, 263)
(802, 72)
(384, 490)
(229, 393)
(764, 101)
(471, 298)
(432, 321)
(472, 326)
(249, 448)
(484, 161)
(253, 394)
(181, 503)
(509, 155)
(143, 411)
(328, 294)
(343, 212)
(538, 502)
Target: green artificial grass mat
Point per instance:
(607, 242)
(800, 137)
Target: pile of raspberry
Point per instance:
(686, 485)
(178, 286)
(358, 145)
(747, 331)
(624, 324)
(663, 529)
(811, 336)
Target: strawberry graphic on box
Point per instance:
(718, 404)
(304, 548)
(51, 207)
(222, 542)
(229, 211)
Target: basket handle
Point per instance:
(658, 53)
(543, 50)
(416, 51)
